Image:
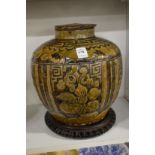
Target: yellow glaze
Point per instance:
(77, 91)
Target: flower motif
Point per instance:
(72, 88)
(86, 80)
(81, 92)
(96, 83)
(83, 70)
(70, 108)
(69, 80)
(93, 93)
(92, 106)
(66, 97)
(83, 79)
(61, 85)
(74, 69)
(89, 82)
(76, 74)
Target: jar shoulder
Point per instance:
(58, 50)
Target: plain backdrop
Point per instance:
(13, 77)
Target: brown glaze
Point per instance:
(77, 91)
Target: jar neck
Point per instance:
(75, 34)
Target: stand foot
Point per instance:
(81, 132)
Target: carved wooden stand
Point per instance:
(81, 132)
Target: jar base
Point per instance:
(81, 132)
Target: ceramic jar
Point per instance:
(77, 89)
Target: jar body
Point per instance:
(77, 91)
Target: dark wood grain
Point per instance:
(81, 132)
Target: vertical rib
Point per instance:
(37, 82)
(118, 77)
(52, 102)
(42, 84)
(112, 72)
(108, 85)
(104, 86)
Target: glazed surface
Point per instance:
(77, 91)
(64, 50)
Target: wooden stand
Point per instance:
(81, 132)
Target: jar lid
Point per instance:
(74, 26)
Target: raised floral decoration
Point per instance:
(78, 93)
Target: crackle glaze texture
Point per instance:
(77, 91)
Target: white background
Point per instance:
(13, 77)
(42, 16)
